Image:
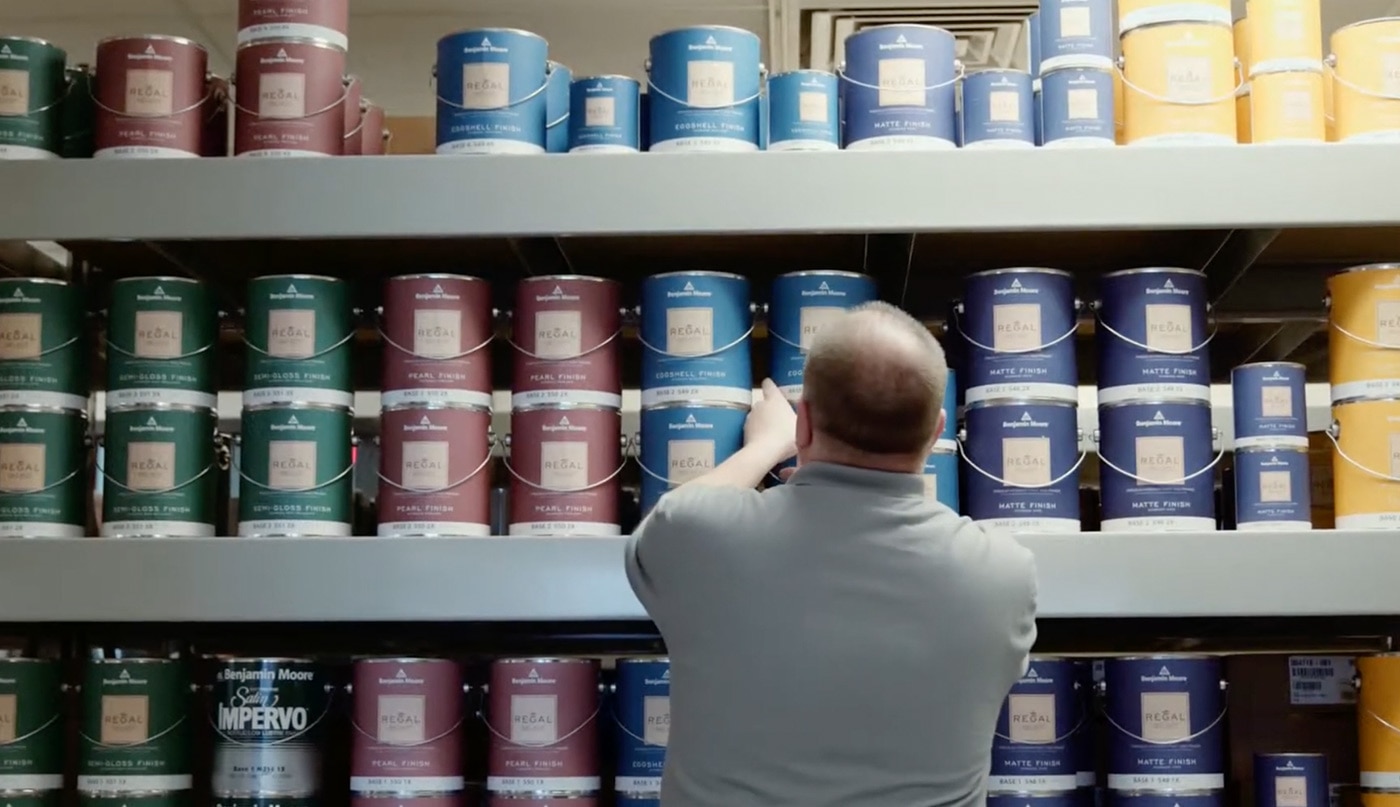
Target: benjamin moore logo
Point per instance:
(1168, 287)
(1158, 420)
(823, 289)
(690, 422)
(1016, 287)
(564, 426)
(533, 678)
(486, 46)
(900, 43)
(710, 43)
(1026, 422)
(557, 295)
(1162, 675)
(689, 290)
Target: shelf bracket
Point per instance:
(1285, 339)
(1233, 259)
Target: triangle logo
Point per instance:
(150, 50)
(689, 286)
(1026, 418)
(5, 49)
(564, 421)
(19, 293)
(22, 424)
(292, 421)
(558, 292)
(1015, 284)
(690, 419)
(281, 54)
(159, 292)
(425, 421)
(1158, 416)
(1168, 285)
(666, 676)
(1164, 671)
(901, 40)
(486, 43)
(292, 289)
(1032, 674)
(150, 421)
(711, 41)
(823, 287)
(437, 289)
(533, 673)
(125, 676)
(401, 674)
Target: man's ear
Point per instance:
(804, 426)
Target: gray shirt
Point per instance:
(838, 641)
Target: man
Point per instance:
(842, 640)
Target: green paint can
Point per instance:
(295, 467)
(31, 730)
(31, 798)
(43, 358)
(159, 470)
(298, 334)
(135, 735)
(269, 720)
(170, 798)
(78, 115)
(43, 479)
(32, 89)
(160, 342)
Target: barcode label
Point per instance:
(1321, 680)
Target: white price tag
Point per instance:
(1321, 680)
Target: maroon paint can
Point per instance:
(216, 120)
(542, 715)
(407, 730)
(565, 330)
(437, 332)
(261, 20)
(434, 473)
(564, 465)
(150, 93)
(459, 799)
(519, 800)
(374, 132)
(290, 95)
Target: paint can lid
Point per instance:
(495, 30)
(556, 278)
(605, 76)
(644, 660)
(436, 276)
(52, 281)
(1021, 270)
(1370, 267)
(1289, 364)
(1166, 657)
(696, 405)
(1007, 403)
(1156, 401)
(730, 28)
(1156, 270)
(697, 273)
(326, 278)
(545, 660)
(179, 40)
(827, 272)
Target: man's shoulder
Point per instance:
(700, 507)
(998, 555)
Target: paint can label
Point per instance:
(1023, 461)
(1018, 329)
(604, 115)
(407, 727)
(898, 89)
(1157, 468)
(802, 112)
(1270, 405)
(565, 332)
(491, 88)
(1076, 33)
(542, 715)
(32, 90)
(941, 477)
(682, 442)
(434, 477)
(291, 98)
(135, 733)
(298, 336)
(564, 463)
(1077, 108)
(1155, 348)
(706, 87)
(1032, 749)
(302, 19)
(268, 719)
(295, 468)
(437, 332)
(43, 473)
(31, 727)
(801, 303)
(642, 708)
(160, 474)
(998, 110)
(695, 339)
(160, 343)
(1165, 717)
(150, 97)
(1291, 780)
(42, 349)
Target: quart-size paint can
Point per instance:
(1377, 713)
(564, 463)
(542, 716)
(437, 332)
(268, 716)
(491, 87)
(1287, 108)
(1364, 338)
(159, 470)
(556, 103)
(1270, 404)
(295, 468)
(605, 115)
(43, 353)
(1018, 325)
(1077, 108)
(1156, 334)
(1157, 466)
(261, 20)
(802, 111)
(1032, 748)
(1023, 459)
(43, 479)
(298, 337)
(1165, 716)
(705, 85)
(682, 441)
(1365, 96)
(1133, 14)
(998, 109)
(695, 338)
(1272, 491)
(1281, 780)
(77, 114)
(150, 94)
(160, 342)
(434, 477)
(1076, 33)
(135, 734)
(406, 733)
(33, 88)
(642, 709)
(565, 330)
(1285, 35)
(1180, 80)
(31, 703)
(291, 97)
(800, 303)
(1366, 463)
(898, 88)
(941, 477)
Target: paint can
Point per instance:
(998, 109)
(1166, 722)
(1180, 80)
(682, 441)
(434, 478)
(1155, 341)
(1286, 107)
(33, 92)
(695, 329)
(43, 353)
(1032, 749)
(491, 87)
(800, 304)
(556, 102)
(1291, 780)
(1377, 714)
(1133, 14)
(295, 468)
(802, 111)
(1285, 35)
(605, 115)
(43, 473)
(542, 717)
(262, 20)
(437, 331)
(374, 134)
(1024, 458)
(268, 716)
(898, 88)
(1272, 491)
(1076, 33)
(1197, 798)
(161, 333)
(1365, 94)
(150, 94)
(1270, 404)
(1156, 466)
(565, 333)
(565, 461)
(1364, 338)
(290, 98)
(941, 476)
(160, 473)
(1077, 108)
(707, 82)
(642, 709)
(32, 741)
(77, 114)
(1366, 463)
(135, 733)
(406, 727)
(298, 337)
(1018, 325)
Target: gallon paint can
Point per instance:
(1195, 798)
(998, 110)
(802, 112)
(268, 717)
(135, 733)
(1180, 80)
(150, 94)
(406, 735)
(298, 338)
(1365, 96)
(1366, 463)
(1287, 108)
(941, 477)
(605, 115)
(1023, 460)
(1285, 35)
(491, 87)
(33, 91)
(1281, 780)
(290, 96)
(1154, 345)
(695, 338)
(542, 714)
(800, 304)
(43, 473)
(434, 472)
(159, 472)
(1032, 748)
(295, 469)
(682, 441)
(705, 85)
(565, 461)
(43, 352)
(437, 331)
(1133, 14)
(1166, 723)
(1076, 33)
(1377, 713)
(1019, 325)
(1272, 491)
(77, 114)
(898, 88)
(565, 333)
(160, 342)
(642, 709)
(1270, 404)
(32, 702)
(261, 20)
(556, 104)
(1364, 338)
(1157, 467)
(1077, 108)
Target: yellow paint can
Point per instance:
(1365, 62)
(1243, 129)
(1366, 466)
(1364, 332)
(1287, 107)
(1242, 50)
(1134, 14)
(1378, 721)
(1284, 35)
(1180, 81)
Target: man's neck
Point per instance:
(836, 454)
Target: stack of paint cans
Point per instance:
(406, 743)
(1155, 439)
(295, 459)
(1035, 753)
(898, 89)
(1272, 486)
(705, 85)
(135, 734)
(435, 422)
(33, 91)
(605, 115)
(492, 89)
(542, 717)
(32, 753)
(566, 401)
(1291, 778)
(802, 112)
(1364, 102)
(1279, 46)
(642, 710)
(1076, 73)
(1165, 103)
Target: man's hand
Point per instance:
(772, 424)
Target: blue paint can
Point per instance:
(1085, 769)
(630, 800)
(800, 304)
(1023, 465)
(556, 103)
(1271, 404)
(1034, 57)
(642, 708)
(1166, 723)
(1273, 489)
(899, 88)
(802, 112)
(491, 87)
(1203, 798)
(1018, 326)
(1154, 336)
(1033, 747)
(1076, 33)
(604, 114)
(998, 110)
(695, 339)
(941, 477)
(948, 440)
(1069, 798)
(681, 441)
(1077, 108)
(706, 84)
(1291, 780)
(1157, 467)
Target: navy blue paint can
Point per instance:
(1271, 404)
(898, 90)
(1153, 336)
(1023, 465)
(1166, 723)
(1202, 798)
(642, 708)
(1076, 108)
(998, 110)
(1157, 466)
(1273, 489)
(1291, 780)
(800, 304)
(1018, 326)
(1033, 747)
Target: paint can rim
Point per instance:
(494, 30)
(1274, 449)
(1306, 754)
(33, 40)
(162, 278)
(1173, 793)
(545, 660)
(438, 407)
(1282, 69)
(1169, 657)
(803, 71)
(566, 407)
(1021, 270)
(30, 659)
(1362, 23)
(1360, 399)
(160, 407)
(51, 281)
(1160, 270)
(135, 660)
(697, 405)
(1076, 68)
(600, 76)
(299, 406)
(279, 659)
(826, 272)
(545, 278)
(297, 276)
(643, 660)
(400, 660)
(1213, 23)
(988, 403)
(685, 28)
(181, 40)
(1293, 364)
(437, 276)
(1365, 267)
(696, 273)
(1047, 794)
(1156, 402)
(901, 26)
(1011, 70)
(34, 409)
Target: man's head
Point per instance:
(872, 391)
